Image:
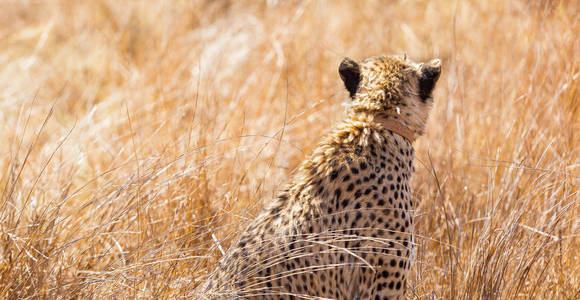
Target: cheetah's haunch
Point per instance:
(342, 228)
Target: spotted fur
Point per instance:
(342, 228)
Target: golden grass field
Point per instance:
(140, 136)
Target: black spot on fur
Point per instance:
(350, 187)
(333, 175)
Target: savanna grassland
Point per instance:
(139, 137)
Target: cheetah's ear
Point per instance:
(429, 74)
(349, 71)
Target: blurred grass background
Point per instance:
(138, 136)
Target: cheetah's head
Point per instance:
(392, 85)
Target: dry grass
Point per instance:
(139, 135)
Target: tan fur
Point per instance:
(342, 227)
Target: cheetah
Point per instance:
(342, 228)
